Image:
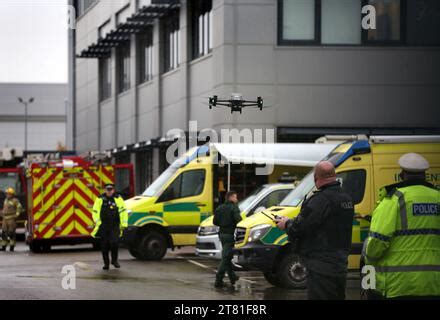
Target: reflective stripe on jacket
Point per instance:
(96, 213)
(12, 208)
(404, 242)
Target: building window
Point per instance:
(123, 57)
(388, 26)
(201, 19)
(171, 41)
(298, 20)
(145, 48)
(338, 22)
(105, 78)
(83, 5)
(144, 170)
(341, 22)
(423, 23)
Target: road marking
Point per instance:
(83, 266)
(201, 265)
(247, 280)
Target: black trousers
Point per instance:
(225, 266)
(323, 287)
(109, 243)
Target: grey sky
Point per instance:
(33, 41)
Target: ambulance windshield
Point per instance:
(307, 185)
(296, 196)
(156, 186)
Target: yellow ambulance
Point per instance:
(364, 167)
(169, 213)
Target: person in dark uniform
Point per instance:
(323, 231)
(226, 217)
(111, 218)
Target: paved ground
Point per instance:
(180, 276)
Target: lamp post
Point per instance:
(26, 103)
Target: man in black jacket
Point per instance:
(226, 217)
(323, 230)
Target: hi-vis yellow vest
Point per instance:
(96, 214)
(404, 241)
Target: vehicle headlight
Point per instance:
(259, 232)
(206, 231)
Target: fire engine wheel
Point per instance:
(152, 246)
(35, 247)
(38, 247)
(291, 274)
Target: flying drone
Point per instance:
(235, 103)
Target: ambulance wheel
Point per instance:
(46, 247)
(272, 278)
(291, 274)
(133, 252)
(152, 246)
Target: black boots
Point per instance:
(115, 262)
(234, 279)
(105, 257)
(219, 284)
(106, 260)
(11, 248)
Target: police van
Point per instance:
(364, 167)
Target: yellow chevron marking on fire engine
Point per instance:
(68, 229)
(81, 229)
(85, 189)
(61, 205)
(88, 221)
(104, 177)
(84, 203)
(47, 206)
(38, 185)
(65, 217)
(49, 234)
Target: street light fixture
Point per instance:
(25, 103)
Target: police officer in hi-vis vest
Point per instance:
(404, 241)
(111, 218)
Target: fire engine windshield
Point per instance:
(9, 180)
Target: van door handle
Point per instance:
(201, 204)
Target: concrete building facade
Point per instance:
(45, 118)
(144, 67)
